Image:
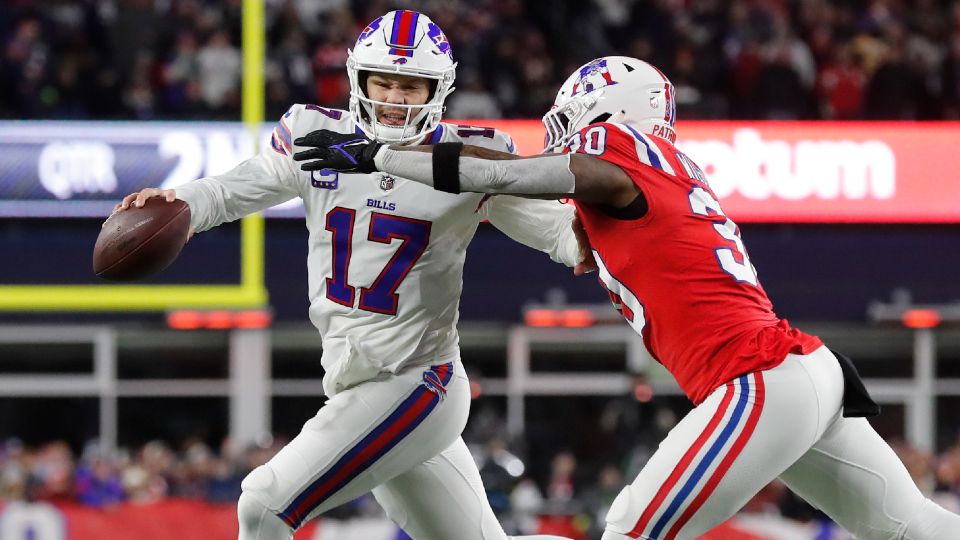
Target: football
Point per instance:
(139, 242)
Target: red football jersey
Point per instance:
(680, 274)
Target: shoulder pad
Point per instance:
(301, 119)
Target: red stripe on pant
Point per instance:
(364, 454)
(728, 459)
(682, 466)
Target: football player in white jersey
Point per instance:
(385, 273)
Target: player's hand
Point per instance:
(587, 263)
(138, 198)
(337, 151)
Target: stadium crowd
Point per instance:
(574, 494)
(745, 59)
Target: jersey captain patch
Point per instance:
(324, 179)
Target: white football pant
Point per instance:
(400, 438)
(785, 422)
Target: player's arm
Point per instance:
(454, 168)
(252, 186)
(258, 183)
(546, 226)
(552, 176)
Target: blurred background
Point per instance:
(828, 128)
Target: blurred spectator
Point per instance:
(780, 91)
(948, 478)
(894, 90)
(560, 487)
(98, 481)
(840, 86)
(220, 65)
(181, 76)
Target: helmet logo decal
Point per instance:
(401, 60)
(369, 30)
(402, 37)
(439, 39)
(594, 75)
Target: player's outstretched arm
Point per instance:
(454, 167)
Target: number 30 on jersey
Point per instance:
(733, 261)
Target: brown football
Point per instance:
(139, 242)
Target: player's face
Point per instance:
(399, 89)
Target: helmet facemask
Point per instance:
(561, 120)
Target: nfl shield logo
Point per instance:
(386, 182)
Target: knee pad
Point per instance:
(257, 521)
(259, 481)
(619, 508)
(256, 489)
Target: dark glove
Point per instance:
(337, 151)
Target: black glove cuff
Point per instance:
(367, 155)
(446, 166)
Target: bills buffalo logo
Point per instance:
(369, 30)
(594, 75)
(432, 382)
(400, 60)
(439, 39)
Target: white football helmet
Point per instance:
(406, 43)
(612, 89)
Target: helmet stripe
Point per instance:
(404, 28)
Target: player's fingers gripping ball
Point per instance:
(336, 151)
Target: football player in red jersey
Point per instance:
(771, 401)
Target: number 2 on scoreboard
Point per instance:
(381, 296)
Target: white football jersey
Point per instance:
(386, 254)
